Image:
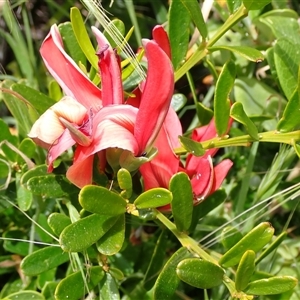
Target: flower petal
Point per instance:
(161, 38)
(111, 80)
(156, 96)
(66, 72)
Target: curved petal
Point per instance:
(81, 173)
(160, 36)
(172, 126)
(66, 72)
(158, 172)
(156, 96)
(48, 128)
(111, 80)
(220, 172)
(112, 128)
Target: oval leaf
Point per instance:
(245, 270)
(200, 273)
(85, 232)
(32, 295)
(75, 286)
(182, 203)
(112, 241)
(255, 240)
(230, 236)
(153, 198)
(58, 222)
(167, 281)
(100, 200)
(271, 286)
(43, 260)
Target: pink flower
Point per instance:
(205, 178)
(99, 121)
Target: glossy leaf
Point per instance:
(5, 135)
(254, 240)
(193, 8)
(178, 32)
(125, 182)
(233, 5)
(111, 27)
(100, 200)
(58, 222)
(73, 286)
(245, 270)
(85, 232)
(247, 52)
(116, 273)
(51, 186)
(271, 286)
(83, 37)
(273, 246)
(153, 198)
(38, 100)
(27, 147)
(112, 241)
(200, 273)
(182, 203)
(221, 102)
(230, 236)
(290, 117)
(167, 281)
(70, 43)
(43, 260)
(24, 197)
(109, 288)
(156, 262)
(192, 146)
(24, 295)
(204, 113)
(237, 112)
(287, 65)
(256, 4)
(37, 171)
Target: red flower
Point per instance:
(98, 121)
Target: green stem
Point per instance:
(193, 246)
(271, 136)
(202, 51)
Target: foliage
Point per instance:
(237, 89)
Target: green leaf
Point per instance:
(271, 286)
(25, 295)
(237, 113)
(167, 281)
(37, 171)
(153, 198)
(55, 90)
(200, 273)
(178, 32)
(24, 197)
(43, 260)
(192, 146)
(85, 232)
(109, 288)
(178, 101)
(256, 4)
(245, 270)
(230, 236)
(39, 101)
(125, 182)
(273, 246)
(112, 241)
(70, 43)
(58, 222)
(194, 10)
(221, 102)
(27, 147)
(51, 186)
(287, 65)
(204, 113)
(233, 5)
(157, 261)
(83, 37)
(100, 200)
(182, 203)
(5, 135)
(76, 285)
(244, 51)
(254, 240)
(111, 27)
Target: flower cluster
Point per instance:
(135, 133)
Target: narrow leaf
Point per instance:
(192, 146)
(221, 103)
(256, 4)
